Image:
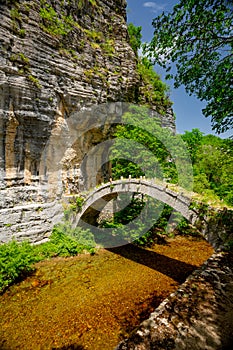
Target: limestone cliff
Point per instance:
(56, 58)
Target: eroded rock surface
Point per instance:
(58, 58)
(45, 76)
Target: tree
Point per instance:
(135, 37)
(143, 147)
(193, 140)
(212, 159)
(198, 37)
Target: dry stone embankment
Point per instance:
(197, 316)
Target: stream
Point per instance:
(92, 302)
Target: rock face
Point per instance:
(56, 58)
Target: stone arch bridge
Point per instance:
(215, 224)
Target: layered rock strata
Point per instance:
(57, 58)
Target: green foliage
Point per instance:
(198, 36)
(23, 64)
(93, 2)
(80, 4)
(135, 37)
(21, 59)
(212, 159)
(143, 147)
(136, 231)
(74, 207)
(215, 160)
(97, 37)
(15, 14)
(54, 23)
(153, 90)
(108, 47)
(96, 73)
(22, 32)
(79, 202)
(193, 140)
(18, 14)
(66, 241)
(134, 158)
(130, 212)
(34, 80)
(16, 259)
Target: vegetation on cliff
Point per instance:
(74, 30)
(151, 90)
(211, 156)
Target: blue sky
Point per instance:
(188, 109)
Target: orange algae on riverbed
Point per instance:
(92, 302)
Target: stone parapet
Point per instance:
(197, 316)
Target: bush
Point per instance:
(16, 260)
(66, 241)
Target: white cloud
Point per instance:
(155, 7)
(140, 53)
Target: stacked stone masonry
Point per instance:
(197, 316)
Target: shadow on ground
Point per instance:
(168, 266)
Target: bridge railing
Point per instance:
(210, 221)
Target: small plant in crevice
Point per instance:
(54, 23)
(20, 59)
(79, 203)
(17, 20)
(35, 81)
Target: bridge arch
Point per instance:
(97, 198)
(95, 201)
(210, 224)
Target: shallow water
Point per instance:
(92, 302)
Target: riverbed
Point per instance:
(92, 302)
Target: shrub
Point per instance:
(65, 241)
(16, 260)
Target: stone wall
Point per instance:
(32, 222)
(197, 316)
